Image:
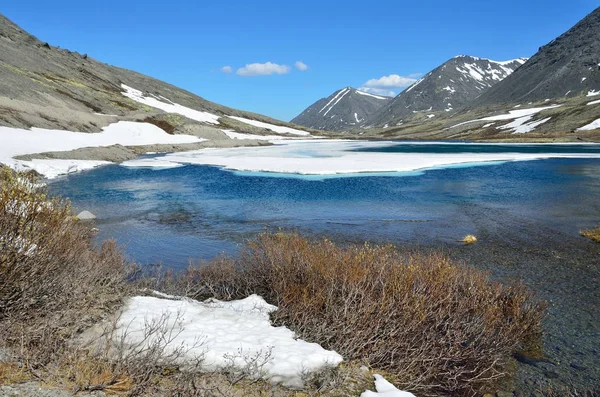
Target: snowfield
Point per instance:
(591, 126)
(168, 106)
(226, 334)
(521, 117)
(17, 142)
(332, 157)
(275, 128)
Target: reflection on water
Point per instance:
(198, 211)
(526, 216)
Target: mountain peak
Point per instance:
(345, 109)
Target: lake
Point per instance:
(526, 214)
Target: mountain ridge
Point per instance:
(345, 109)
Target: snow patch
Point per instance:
(385, 389)
(512, 114)
(16, 142)
(275, 128)
(371, 95)
(593, 93)
(594, 125)
(171, 107)
(224, 333)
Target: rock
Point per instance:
(504, 394)
(86, 216)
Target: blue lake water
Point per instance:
(172, 215)
(527, 216)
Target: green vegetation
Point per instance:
(429, 325)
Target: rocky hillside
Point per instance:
(446, 88)
(566, 67)
(343, 110)
(49, 87)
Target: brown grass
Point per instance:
(439, 328)
(53, 281)
(592, 234)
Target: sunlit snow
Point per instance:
(226, 334)
(171, 107)
(17, 142)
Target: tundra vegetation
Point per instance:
(430, 325)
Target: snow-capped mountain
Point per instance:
(345, 109)
(446, 88)
(566, 67)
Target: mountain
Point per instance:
(447, 87)
(49, 87)
(566, 67)
(343, 110)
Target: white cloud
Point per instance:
(301, 66)
(226, 69)
(262, 69)
(385, 85)
(391, 81)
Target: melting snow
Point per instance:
(275, 128)
(594, 102)
(512, 114)
(171, 107)
(371, 95)
(592, 126)
(340, 157)
(224, 333)
(593, 93)
(449, 89)
(385, 389)
(414, 85)
(520, 125)
(17, 142)
(342, 92)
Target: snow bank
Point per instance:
(385, 389)
(591, 126)
(314, 157)
(521, 125)
(17, 142)
(275, 128)
(171, 107)
(227, 332)
(512, 115)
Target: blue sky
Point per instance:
(343, 43)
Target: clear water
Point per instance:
(527, 216)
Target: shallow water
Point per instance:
(527, 216)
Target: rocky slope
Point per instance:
(343, 110)
(446, 88)
(566, 67)
(48, 87)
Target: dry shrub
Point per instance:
(438, 327)
(53, 281)
(592, 234)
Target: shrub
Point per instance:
(440, 328)
(53, 281)
(592, 234)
